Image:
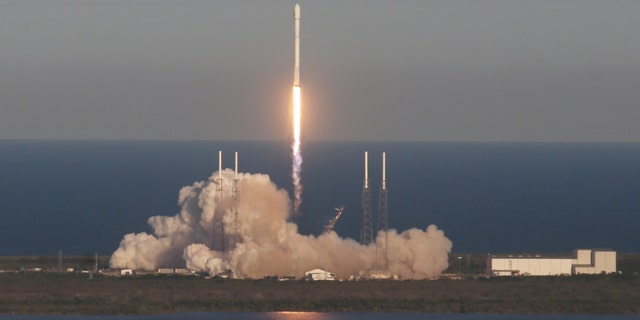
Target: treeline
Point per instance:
(464, 263)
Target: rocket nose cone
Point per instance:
(296, 11)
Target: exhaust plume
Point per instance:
(296, 155)
(269, 243)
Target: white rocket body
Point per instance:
(296, 41)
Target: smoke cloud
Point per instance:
(266, 242)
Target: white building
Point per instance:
(319, 275)
(584, 261)
(594, 261)
(126, 272)
(165, 271)
(381, 275)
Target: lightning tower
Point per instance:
(366, 230)
(383, 213)
(218, 223)
(236, 231)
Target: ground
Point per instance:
(39, 292)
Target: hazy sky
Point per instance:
(440, 70)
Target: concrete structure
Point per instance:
(529, 265)
(319, 275)
(594, 262)
(584, 261)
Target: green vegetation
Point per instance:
(77, 293)
(51, 263)
(53, 293)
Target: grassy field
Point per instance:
(52, 293)
(77, 293)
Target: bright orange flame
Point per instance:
(295, 147)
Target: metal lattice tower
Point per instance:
(236, 232)
(366, 231)
(218, 242)
(60, 261)
(383, 213)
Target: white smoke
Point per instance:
(268, 244)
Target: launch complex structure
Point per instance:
(223, 239)
(366, 230)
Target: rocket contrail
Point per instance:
(268, 243)
(296, 166)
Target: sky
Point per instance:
(435, 70)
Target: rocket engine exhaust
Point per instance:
(264, 241)
(296, 156)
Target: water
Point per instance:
(325, 316)
(83, 196)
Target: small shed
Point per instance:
(126, 272)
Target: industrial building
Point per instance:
(319, 275)
(583, 261)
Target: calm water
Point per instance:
(324, 316)
(83, 196)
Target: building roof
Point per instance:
(545, 255)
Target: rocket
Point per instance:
(296, 45)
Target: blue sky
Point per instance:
(442, 70)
